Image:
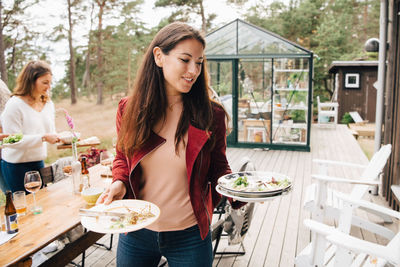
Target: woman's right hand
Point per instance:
(2, 136)
(51, 138)
(115, 191)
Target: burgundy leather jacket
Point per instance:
(203, 167)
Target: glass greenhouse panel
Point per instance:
(254, 104)
(240, 38)
(223, 41)
(263, 81)
(221, 82)
(254, 41)
(290, 98)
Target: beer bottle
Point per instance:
(10, 214)
(85, 173)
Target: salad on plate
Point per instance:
(254, 182)
(11, 139)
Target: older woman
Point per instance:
(30, 112)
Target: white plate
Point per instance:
(66, 137)
(10, 144)
(102, 224)
(250, 199)
(226, 181)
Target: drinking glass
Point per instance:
(33, 183)
(2, 204)
(20, 202)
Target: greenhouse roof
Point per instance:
(241, 39)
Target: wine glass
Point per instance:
(33, 183)
(114, 144)
(114, 141)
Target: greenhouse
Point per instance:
(265, 83)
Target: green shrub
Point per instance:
(346, 119)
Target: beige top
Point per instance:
(166, 181)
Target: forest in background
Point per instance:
(107, 63)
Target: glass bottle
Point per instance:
(10, 214)
(2, 204)
(85, 173)
(76, 170)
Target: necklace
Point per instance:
(173, 104)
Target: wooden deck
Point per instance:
(276, 234)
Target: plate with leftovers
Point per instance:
(249, 197)
(11, 140)
(66, 137)
(137, 215)
(254, 183)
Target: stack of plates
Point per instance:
(253, 191)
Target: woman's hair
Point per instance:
(27, 78)
(148, 103)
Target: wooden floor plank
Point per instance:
(303, 235)
(283, 219)
(263, 161)
(292, 226)
(266, 161)
(277, 234)
(263, 243)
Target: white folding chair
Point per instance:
(352, 251)
(323, 204)
(326, 111)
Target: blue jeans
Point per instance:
(144, 248)
(14, 173)
(3, 184)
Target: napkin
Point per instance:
(4, 237)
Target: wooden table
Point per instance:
(60, 214)
(65, 146)
(365, 130)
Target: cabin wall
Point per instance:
(362, 99)
(392, 103)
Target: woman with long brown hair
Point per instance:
(31, 112)
(170, 151)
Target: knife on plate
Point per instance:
(95, 213)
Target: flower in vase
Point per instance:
(71, 125)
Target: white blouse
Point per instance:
(19, 117)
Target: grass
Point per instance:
(367, 145)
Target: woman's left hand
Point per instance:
(115, 191)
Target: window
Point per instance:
(352, 80)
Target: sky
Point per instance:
(49, 13)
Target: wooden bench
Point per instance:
(365, 130)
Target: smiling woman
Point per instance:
(181, 67)
(31, 113)
(174, 137)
